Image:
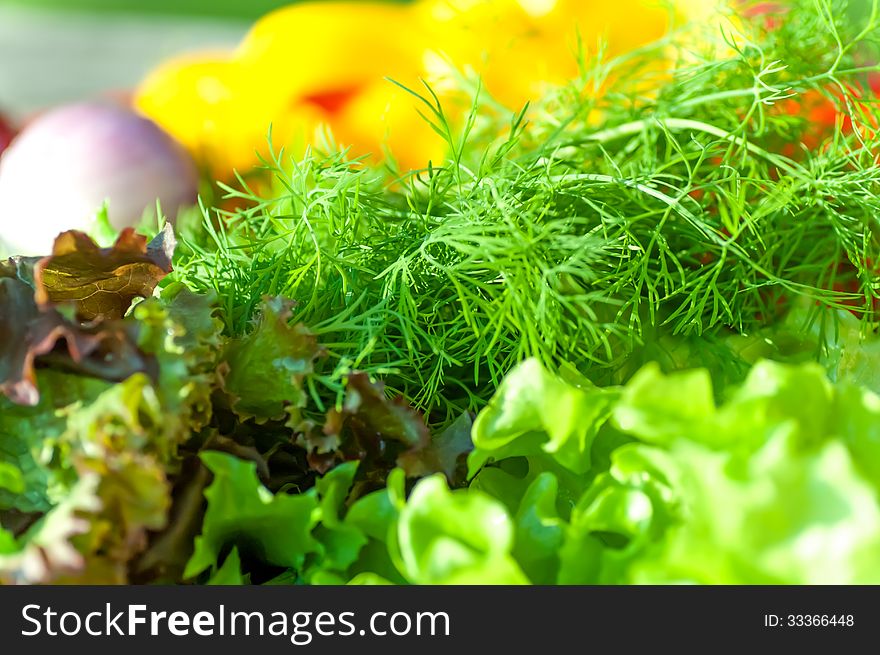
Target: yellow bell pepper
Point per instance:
(202, 100)
(310, 48)
(384, 117)
(335, 58)
(326, 63)
(521, 47)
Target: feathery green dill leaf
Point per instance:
(635, 201)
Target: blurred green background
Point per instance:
(56, 51)
(241, 9)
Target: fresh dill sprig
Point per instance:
(635, 200)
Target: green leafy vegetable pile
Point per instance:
(625, 335)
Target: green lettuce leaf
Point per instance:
(455, 537)
(539, 530)
(776, 484)
(230, 572)
(242, 512)
(25, 433)
(656, 407)
(341, 541)
(376, 513)
(265, 370)
(534, 412)
(786, 515)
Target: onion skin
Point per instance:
(64, 165)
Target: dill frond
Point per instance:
(631, 203)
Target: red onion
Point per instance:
(58, 172)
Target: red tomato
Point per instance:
(846, 281)
(6, 134)
(772, 13)
(822, 111)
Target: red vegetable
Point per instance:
(6, 134)
(772, 13)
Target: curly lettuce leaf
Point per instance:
(539, 530)
(341, 541)
(30, 334)
(276, 529)
(264, 370)
(48, 550)
(788, 516)
(370, 426)
(101, 283)
(535, 412)
(455, 537)
(26, 431)
(777, 484)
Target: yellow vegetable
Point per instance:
(383, 116)
(520, 47)
(314, 47)
(335, 58)
(326, 63)
(203, 101)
